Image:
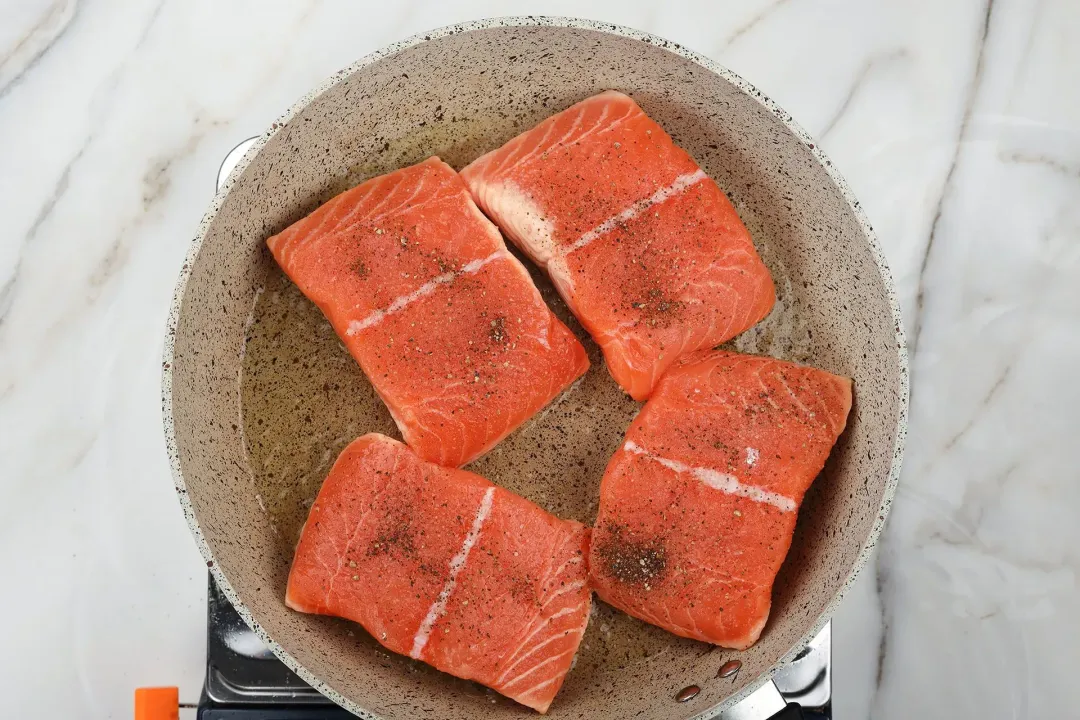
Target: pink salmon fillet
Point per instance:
(441, 565)
(644, 247)
(445, 322)
(698, 506)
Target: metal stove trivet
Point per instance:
(244, 681)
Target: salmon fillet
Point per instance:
(698, 506)
(441, 565)
(645, 249)
(445, 322)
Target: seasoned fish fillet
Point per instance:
(698, 506)
(441, 565)
(644, 247)
(445, 322)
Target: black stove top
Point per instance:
(245, 681)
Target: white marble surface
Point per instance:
(957, 123)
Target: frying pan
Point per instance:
(259, 395)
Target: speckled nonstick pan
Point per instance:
(260, 396)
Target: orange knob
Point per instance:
(157, 703)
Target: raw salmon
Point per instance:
(445, 322)
(441, 565)
(698, 506)
(643, 246)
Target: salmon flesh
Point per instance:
(445, 322)
(441, 565)
(644, 247)
(698, 506)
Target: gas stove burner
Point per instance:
(245, 681)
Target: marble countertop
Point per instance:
(957, 124)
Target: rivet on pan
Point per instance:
(729, 669)
(688, 693)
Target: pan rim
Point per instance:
(536, 21)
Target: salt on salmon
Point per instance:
(441, 565)
(644, 247)
(445, 322)
(698, 506)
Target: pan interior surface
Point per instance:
(264, 395)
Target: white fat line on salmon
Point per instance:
(438, 608)
(724, 482)
(469, 268)
(679, 185)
